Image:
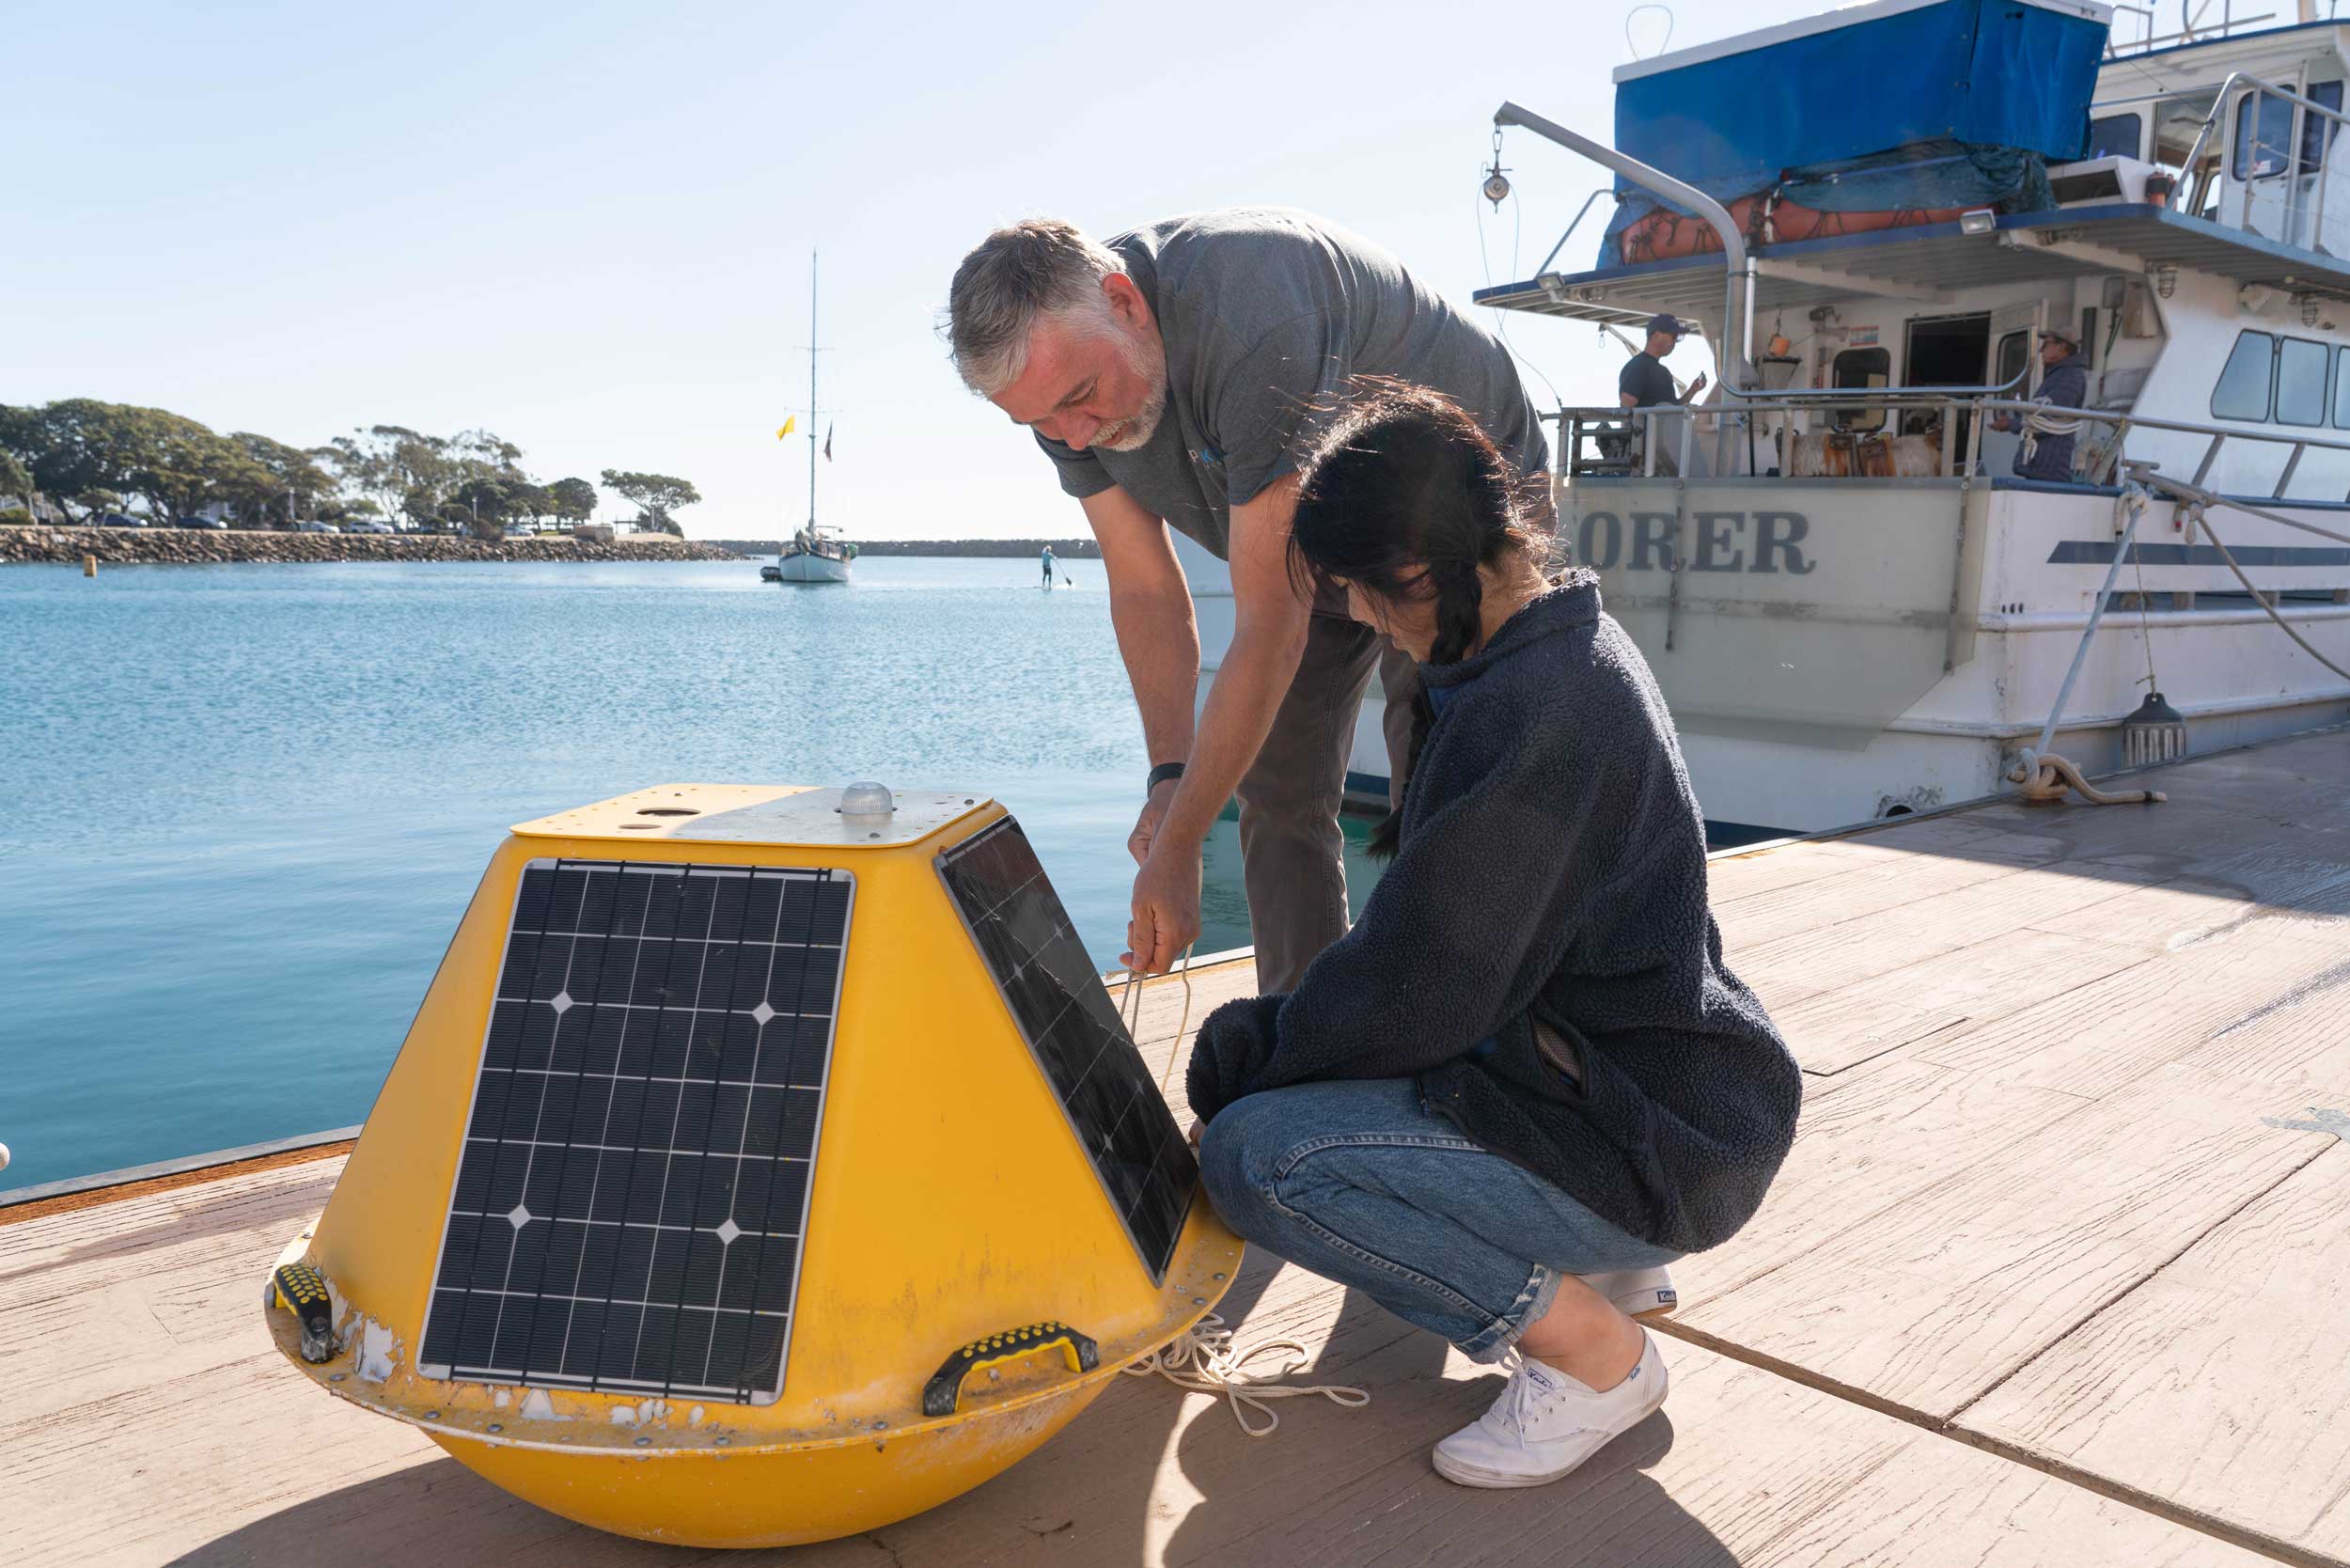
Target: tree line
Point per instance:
(89, 459)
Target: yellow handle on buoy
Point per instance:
(941, 1394)
(302, 1291)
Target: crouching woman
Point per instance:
(1524, 1083)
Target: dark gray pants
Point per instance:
(1292, 853)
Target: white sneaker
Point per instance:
(1545, 1423)
(1636, 1291)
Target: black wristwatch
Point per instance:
(1160, 775)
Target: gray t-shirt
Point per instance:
(1267, 313)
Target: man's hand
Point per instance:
(1146, 831)
(1695, 388)
(1166, 909)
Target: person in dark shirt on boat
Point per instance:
(1174, 375)
(1645, 382)
(2064, 383)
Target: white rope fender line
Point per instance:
(1203, 1360)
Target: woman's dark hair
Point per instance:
(1405, 496)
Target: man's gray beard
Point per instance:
(1134, 433)
(1149, 362)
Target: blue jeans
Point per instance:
(1361, 1183)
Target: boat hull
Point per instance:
(801, 567)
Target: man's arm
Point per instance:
(1157, 636)
(1270, 623)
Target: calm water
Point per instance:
(245, 806)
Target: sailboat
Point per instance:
(816, 554)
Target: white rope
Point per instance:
(2207, 500)
(2037, 423)
(1203, 1360)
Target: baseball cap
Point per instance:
(2070, 336)
(1665, 320)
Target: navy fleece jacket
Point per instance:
(1551, 865)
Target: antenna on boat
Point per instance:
(812, 352)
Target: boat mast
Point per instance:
(811, 395)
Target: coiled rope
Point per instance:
(1202, 1359)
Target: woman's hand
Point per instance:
(1198, 1127)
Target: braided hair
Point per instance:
(1405, 497)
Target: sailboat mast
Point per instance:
(811, 394)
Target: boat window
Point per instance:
(2317, 132)
(2342, 389)
(2264, 127)
(2015, 350)
(2246, 380)
(2115, 137)
(1861, 367)
(2300, 381)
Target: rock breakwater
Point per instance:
(218, 546)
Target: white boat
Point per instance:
(817, 553)
(814, 557)
(1836, 649)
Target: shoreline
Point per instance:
(40, 545)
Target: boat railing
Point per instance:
(1598, 442)
(2191, 30)
(2291, 157)
(1626, 438)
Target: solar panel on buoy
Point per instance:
(1066, 1015)
(631, 1204)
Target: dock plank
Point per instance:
(1969, 987)
(1926, 1304)
(2177, 1391)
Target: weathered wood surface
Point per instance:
(2054, 1274)
(148, 1421)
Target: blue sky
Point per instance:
(587, 227)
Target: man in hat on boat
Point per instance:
(1174, 376)
(1645, 382)
(2064, 383)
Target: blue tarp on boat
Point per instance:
(2015, 74)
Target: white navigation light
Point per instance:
(1981, 221)
(866, 798)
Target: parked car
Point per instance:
(191, 521)
(315, 527)
(116, 520)
(367, 526)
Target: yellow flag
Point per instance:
(787, 426)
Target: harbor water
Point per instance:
(247, 804)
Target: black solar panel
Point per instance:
(631, 1205)
(1069, 1022)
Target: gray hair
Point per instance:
(1035, 268)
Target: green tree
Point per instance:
(406, 473)
(294, 478)
(572, 501)
(658, 497)
(483, 503)
(16, 481)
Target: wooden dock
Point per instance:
(2058, 1273)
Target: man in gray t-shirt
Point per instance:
(1174, 377)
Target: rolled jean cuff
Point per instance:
(1493, 1341)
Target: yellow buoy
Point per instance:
(764, 1165)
